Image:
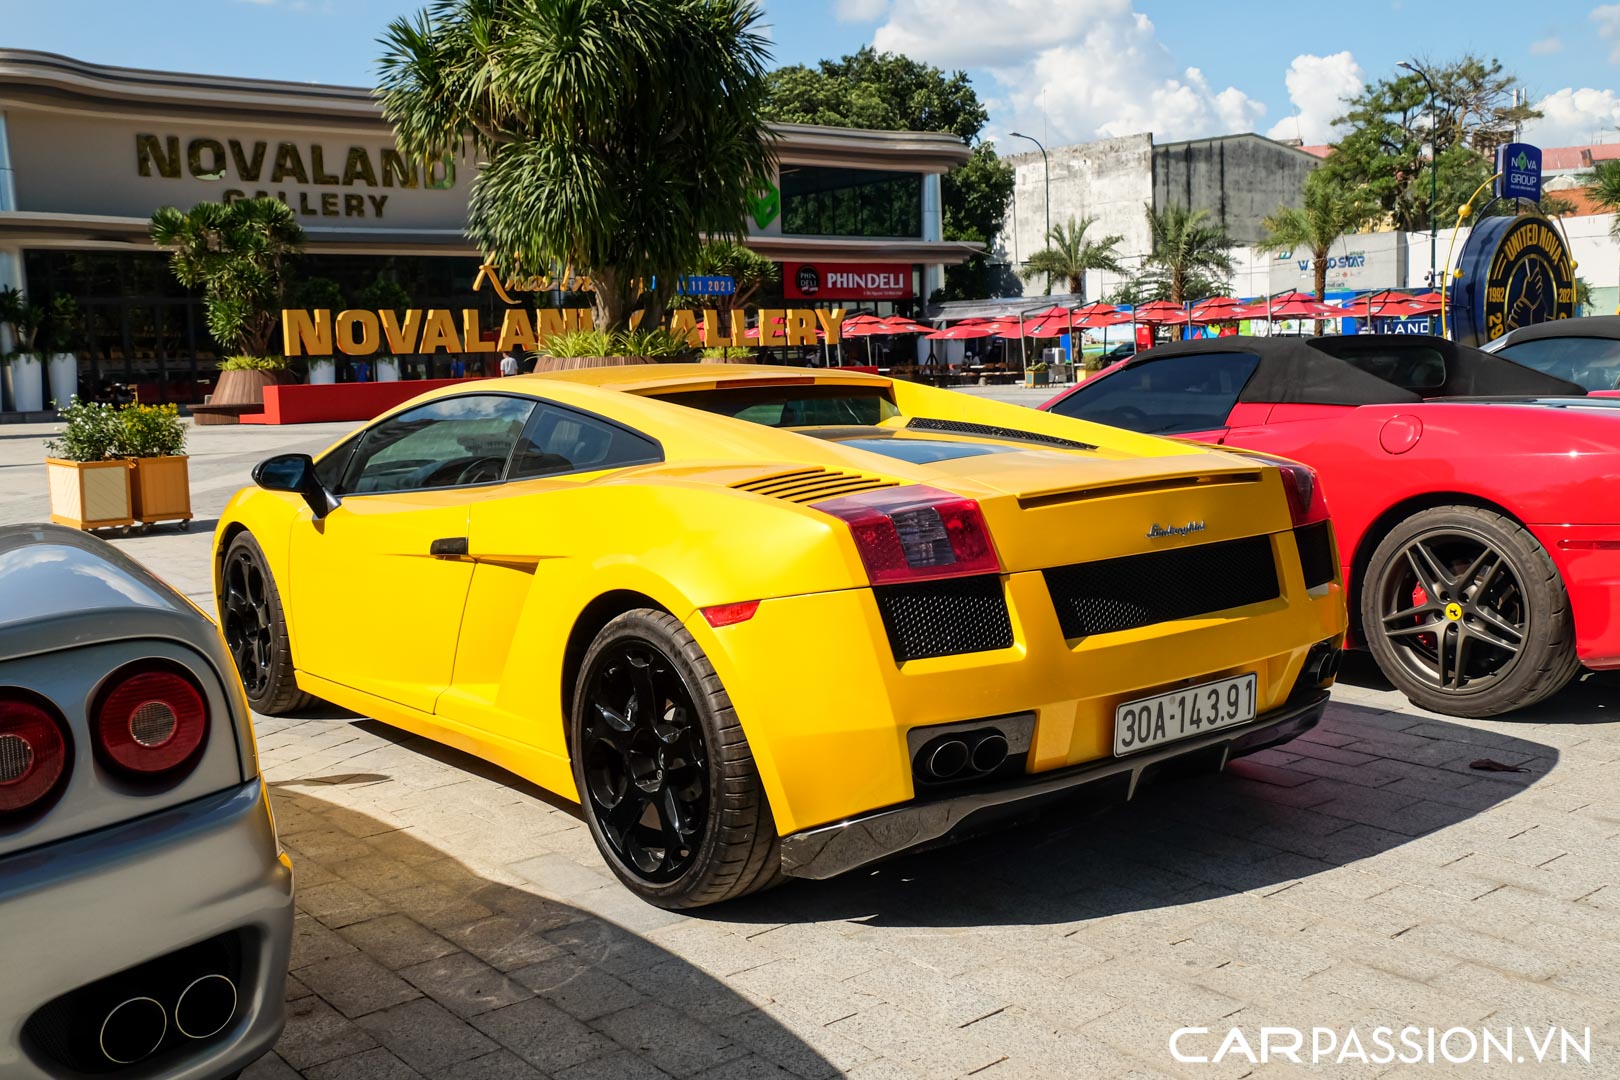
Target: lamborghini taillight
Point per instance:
(916, 533)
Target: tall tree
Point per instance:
(236, 253)
(1329, 213)
(1068, 255)
(611, 136)
(1387, 151)
(888, 92)
(1187, 248)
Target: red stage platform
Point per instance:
(326, 403)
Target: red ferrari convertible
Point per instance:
(1476, 501)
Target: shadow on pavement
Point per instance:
(1592, 698)
(1363, 783)
(402, 954)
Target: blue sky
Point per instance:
(1075, 69)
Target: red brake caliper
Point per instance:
(1420, 596)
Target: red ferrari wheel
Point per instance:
(1466, 614)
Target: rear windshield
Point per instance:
(794, 406)
(1411, 366)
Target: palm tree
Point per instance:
(235, 252)
(1603, 187)
(727, 258)
(1186, 247)
(611, 136)
(1068, 254)
(1329, 213)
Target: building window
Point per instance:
(850, 202)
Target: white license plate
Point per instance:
(1181, 714)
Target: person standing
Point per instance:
(509, 364)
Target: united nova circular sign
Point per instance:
(1514, 271)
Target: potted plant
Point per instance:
(236, 253)
(315, 294)
(1037, 375)
(385, 294)
(23, 373)
(153, 440)
(598, 348)
(64, 333)
(89, 489)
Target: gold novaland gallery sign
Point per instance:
(360, 332)
(360, 178)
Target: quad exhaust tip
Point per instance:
(133, 1029)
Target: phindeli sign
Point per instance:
(359, 332)
(288, 170)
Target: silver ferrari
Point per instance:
(145, 905)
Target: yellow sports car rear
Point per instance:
(767, 621)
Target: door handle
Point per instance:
(450, 547)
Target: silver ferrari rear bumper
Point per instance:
(81, 910)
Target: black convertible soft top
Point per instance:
(1369, 369)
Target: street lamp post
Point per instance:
(1046, 179)
(1434, 161)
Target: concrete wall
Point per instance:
(1110, 180)
(1239, 179)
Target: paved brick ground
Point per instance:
(456, 923)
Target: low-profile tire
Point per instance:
(256, 629)
(665, 775)
(1466, 614)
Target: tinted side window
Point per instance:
(1165, 397)
(1415, 368)
(453, 442)
(333, 464)
(1592, 362)
(559, 440)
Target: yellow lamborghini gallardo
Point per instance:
(777, 621)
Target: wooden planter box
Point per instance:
(1037, 378)
(573, 363)
(90, 494)
(161, 489)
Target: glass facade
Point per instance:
(819, 201)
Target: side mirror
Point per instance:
(295, 473)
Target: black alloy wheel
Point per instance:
(245, 617)
(665, 775)
(645, 761)
(255, 627)
(1466, 614)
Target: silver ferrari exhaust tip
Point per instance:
(205, 1007)
(132, 1030)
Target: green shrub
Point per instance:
(576, 343)
(253, 363)
(149, 431)
(655, 343)
(91, 430)
(729, 352)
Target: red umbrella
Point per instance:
(1430, 298)
(899, 324)
(959, 332)
(1386, 303)
(1056, 311)
(1098, 307)
(1005, 328)
(1102, 319)
(865, 326)
(1045, 328)
(1160, 311)
(1215, 309)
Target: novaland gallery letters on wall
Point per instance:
(361, 332)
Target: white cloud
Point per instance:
(1573, 117)
(1607, 17)
(1546, 46)
(1080, 69)
(1318, 86)
(861, 10)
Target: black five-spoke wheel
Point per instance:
(645, 761)
(1466, 613)
(665, 774)
(246, 619)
